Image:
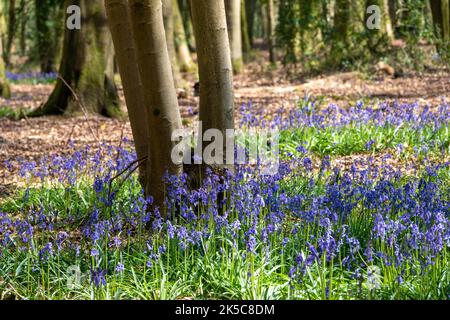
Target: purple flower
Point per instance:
(98, 277)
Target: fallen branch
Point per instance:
(137, 161)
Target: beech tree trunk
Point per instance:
(87, 65)
(23, 23)
(158, 92)
(120, 25)
(250, 8)
(170, 39)
(246, 46)
(12, 22)
(4, 84)
(271, 31)
(46, 48)
(181, 45)
(340, 30)
(233, 21)
(215, 68)
(440, 10)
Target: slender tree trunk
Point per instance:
(215, 68)
(12, 21)
(387, 20)
(184, 55)
(392, 7)
(185, 11)
(445, 4)
(233, 16)
(271, 31)
(250, 7)
(86, 65)
(246, 46)
(440, 12)
(4, 84)
(121, 31)
(159, 92)
(58, 33)
(436, 11)
(340, 30)
(169, 30)
(44, 38)
(23, 26)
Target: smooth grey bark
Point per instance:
(233, 21)
(121, 31)
(159, 92)
(215, 68)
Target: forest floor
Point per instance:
(268, 90)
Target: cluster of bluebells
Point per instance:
(312, 114)
(32, 76)
(365, 215)
(299, 218)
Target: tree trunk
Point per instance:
(440, 10)
(445, 5)
(12, 21)
(436, 12)
(250, 7)
(121, 31)
(87, 66)
(246, 46)
(392, 7)
(23, 25)
(169, 30)
(340, 30)
(159, 92)
(215, 68)
(233, 20)
(271, 31)
(184, 55)
(4, 84)
(44, 38)
(185, 12)
(387, 19)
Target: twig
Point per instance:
(120, 142)
(71, 132)
(139, 163)
(81, 106)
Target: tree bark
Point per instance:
(170, 39)
(250, 7)
(271, 31)
(12, 21)
(159, 92)
(185, 11)
(340, 30)
(184, 55)
(215, 68)
(23, 25)
(5, 91)
(87, 66)
(120, 25)
(440, 10)
(445, 5)
(44, 38)
(246, 46)
(233, 20)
